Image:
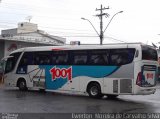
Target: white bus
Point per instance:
(99, 70)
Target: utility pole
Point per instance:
(101, 21)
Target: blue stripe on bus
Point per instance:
(89, 71)
(93, 71)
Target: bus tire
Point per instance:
(22, 85)
(94, 90)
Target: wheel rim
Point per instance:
(94, 91)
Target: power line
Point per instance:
(55, 30)
(111, 38)
(80, 36)
(77, 36)
(52, 28)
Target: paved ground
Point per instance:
(15, 101)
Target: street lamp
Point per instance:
(91, 24)
(111, 20)
(101, 30)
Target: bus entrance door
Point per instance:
(37, 76)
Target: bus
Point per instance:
(96, 70)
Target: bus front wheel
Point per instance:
(94, 90)
(22, 85)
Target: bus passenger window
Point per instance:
(61, 59)
(53, 60)
(121, 56)
(115, 59)
(24, 61)
(42, 58)
(80, 59)
(47, 61)
(37, 60)
(98, 57)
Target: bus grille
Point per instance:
(115, 86)
(125, 86)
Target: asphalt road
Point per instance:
(15, 101)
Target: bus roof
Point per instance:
(79, 47)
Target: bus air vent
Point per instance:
(125, 86)
(115, 86)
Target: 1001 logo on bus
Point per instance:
(61, 73)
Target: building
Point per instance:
(26, 35)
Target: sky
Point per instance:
(139, 22)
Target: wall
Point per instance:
(13, 45)
(1, 49)
(9, 32)
(26, 27)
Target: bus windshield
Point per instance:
(149, 53)
(11, 62)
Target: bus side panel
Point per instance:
(72, 85)
(120, 81)
(66, 77)
(94, 74)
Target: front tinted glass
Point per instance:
(11, 62)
